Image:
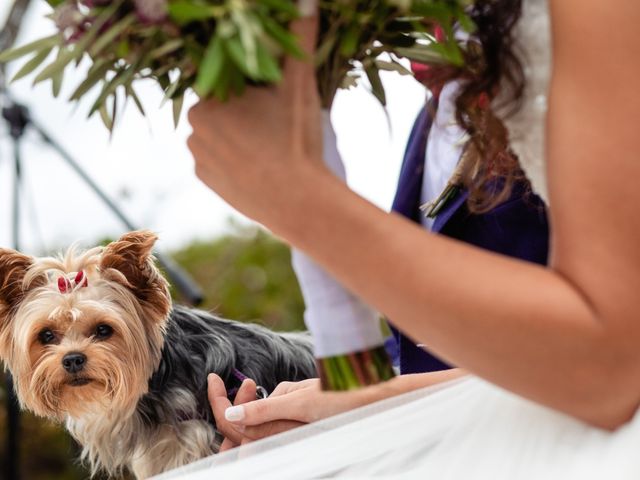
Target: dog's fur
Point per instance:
(139, 400)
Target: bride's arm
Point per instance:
(567, 336)
(296, 403)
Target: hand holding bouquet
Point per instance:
(218, 47)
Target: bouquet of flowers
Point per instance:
(218, 47)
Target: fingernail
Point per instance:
(307, 8)
(234, 414)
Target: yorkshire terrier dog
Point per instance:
(92, 340)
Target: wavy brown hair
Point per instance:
(493, 80)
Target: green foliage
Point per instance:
(218, 47)
(245, 276)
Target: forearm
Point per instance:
(519, 325)
(408, 383)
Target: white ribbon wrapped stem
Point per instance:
(338, 320)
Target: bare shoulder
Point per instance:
(594, 149)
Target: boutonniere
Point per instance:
(454, 185)
(479, 158)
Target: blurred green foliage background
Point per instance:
(246, 276)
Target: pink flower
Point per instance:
(151, 11)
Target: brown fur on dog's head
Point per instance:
(42, 325)
(13, 269)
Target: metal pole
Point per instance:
(13, 408)
(8, 35)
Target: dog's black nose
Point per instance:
(74, 362)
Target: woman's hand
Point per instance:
(293, 404)
(257, 149)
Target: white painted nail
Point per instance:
(307, 8)
(234, 414)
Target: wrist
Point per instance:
(305, 190)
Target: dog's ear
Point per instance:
(130, 262)
(13, 268)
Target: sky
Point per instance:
(146, 167)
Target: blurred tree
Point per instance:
(246, 276)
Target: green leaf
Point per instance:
(56, 80)
(236, 52)
(210, 68)
(114, 112)
(227, 82)
(392, 66)
(123, 49)
(467, 24)
(169, 47)
(177, 109)
(349, 42)
(47, 42)
(376, 84)
(441, 12)
(32, 64)
(183, 12)
(268, 69)
(324, 49)
(171, 91)
(286, 7)
(136, 100)
(107, 38)
(423, 54)
(97, 73)
(56, 84)
(104, 115)
(109, 88)
(349, 81)
(287, 40)
(267, 65)
(246, 28)
(80, 47)
(58, 65)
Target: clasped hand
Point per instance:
(292, 404)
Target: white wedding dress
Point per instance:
(466, 429)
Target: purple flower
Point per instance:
(151, 11)
(95, 3)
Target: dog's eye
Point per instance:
(46, 337)
(103, 332)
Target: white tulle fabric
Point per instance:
(466, 429)
(460, 430)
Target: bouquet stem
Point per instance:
(355, 370)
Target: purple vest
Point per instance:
(517, 228)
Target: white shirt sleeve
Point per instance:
(338, 320)
(444, 147)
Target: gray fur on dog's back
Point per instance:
(198, 343)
